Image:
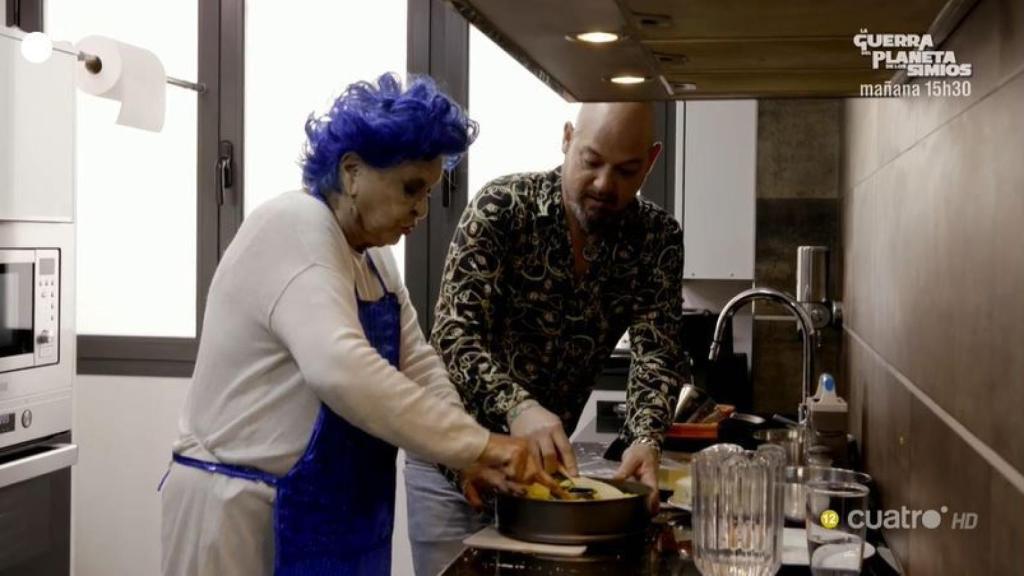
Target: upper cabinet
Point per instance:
(701, 49)
(719, 175)
(37, 119)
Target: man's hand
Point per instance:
(533, 421)
(640, 462)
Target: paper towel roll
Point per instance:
(131, 75)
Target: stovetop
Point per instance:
(665, 551)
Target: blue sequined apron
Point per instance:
(334, 510)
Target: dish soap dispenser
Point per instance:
(828, 414)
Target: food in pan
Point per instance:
(580, 488)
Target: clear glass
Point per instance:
(737, 510)
(817, 470)
(836, 548)
(136, 190)
(298, 58)
(521, 119)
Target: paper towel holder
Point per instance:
(94, 65)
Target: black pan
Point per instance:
(575, 522)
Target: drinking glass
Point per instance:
(835, 546)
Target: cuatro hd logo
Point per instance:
(902, 519)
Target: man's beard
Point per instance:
(592, 225)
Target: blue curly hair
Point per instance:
(385, 125)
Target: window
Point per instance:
(150, 226)
(520, 117)
(328, 46)
(136, 190)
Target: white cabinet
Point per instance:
(37, 120)
(718, 177)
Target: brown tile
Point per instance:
(879, 418)
(976, 40)
(1011, 38)
(935, 268)
(777, 369)
(999, 329)
(1006, 519)
(887, 435)
(860, 139)
(783, 225)
(945, 471)
(883, 225)
(798, 148)
(885, 438)
(855, 375)
(964, 291)
(857, 242)
(896, 118)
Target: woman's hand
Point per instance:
(507, 464)
(478, 480)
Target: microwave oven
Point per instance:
(29, 308)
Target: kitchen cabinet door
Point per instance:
(37, 119)
(719, 177)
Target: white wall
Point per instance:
(124, 427)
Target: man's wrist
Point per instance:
(518, 409)
(649, 442)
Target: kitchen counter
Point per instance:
(664, 551)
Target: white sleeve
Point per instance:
(418, 359)
(317, 320)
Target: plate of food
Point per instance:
(682, 495)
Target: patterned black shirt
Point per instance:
(512, 322)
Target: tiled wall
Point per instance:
(932, 217)
(798, 151)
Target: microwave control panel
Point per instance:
(47, 306)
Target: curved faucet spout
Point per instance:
(808, 332)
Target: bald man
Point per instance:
(545, 273)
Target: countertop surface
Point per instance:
(664, 551)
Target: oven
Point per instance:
(35, 507)
(37, 370)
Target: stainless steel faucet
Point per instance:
(809, 333)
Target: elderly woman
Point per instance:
(312, 368)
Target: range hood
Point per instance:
(696, 49)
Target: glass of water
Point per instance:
(836, 547)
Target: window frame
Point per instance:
(24, 14)
(438, 45)
(218, 211)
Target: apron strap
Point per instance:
(241, 472)
(373, 267)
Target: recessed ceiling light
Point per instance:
(598, 37)
(627, 79)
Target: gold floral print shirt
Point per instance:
(512, 322)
